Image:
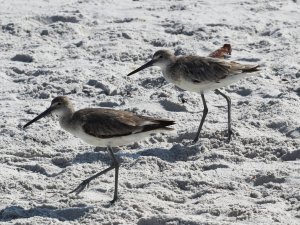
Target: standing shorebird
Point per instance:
(103, 128)
(200, 74)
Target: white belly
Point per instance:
(205, 85)
(112, 142)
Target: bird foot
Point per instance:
(81, 187)
(230, 133)
(195, 141)
(113, 201)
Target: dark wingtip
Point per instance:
(253, 69)
(166, 123)
(159, 124)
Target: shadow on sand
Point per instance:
(68, 214)
(178, 152)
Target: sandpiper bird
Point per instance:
(104, 128)
(200, 74)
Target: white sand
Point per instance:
(85, 48)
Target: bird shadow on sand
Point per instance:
(91, 157)
(183, 149)
(67, 214)
(177, 152)
(291, 156)
(186, 138)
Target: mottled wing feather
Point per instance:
(243, 68)
(107, 123)
(199, 69)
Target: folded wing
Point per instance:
(107, 123)
(200, 69)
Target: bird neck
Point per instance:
(66, 117)
(167, 64)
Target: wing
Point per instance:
(199, 69)
(107, 123)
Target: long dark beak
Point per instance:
(43, 114)
(148, 64)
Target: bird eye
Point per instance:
(160, 56)
(59, 103)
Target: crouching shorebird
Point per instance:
(200, 74)
(104, 128)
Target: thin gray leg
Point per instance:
(228, 100)
(205, 111)
(115, 165)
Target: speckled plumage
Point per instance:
(199, 74)
(104, 128)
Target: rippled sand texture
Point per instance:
(85, 48)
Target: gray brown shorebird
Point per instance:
(104, 128)
(200, 74)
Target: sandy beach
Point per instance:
(85, 48)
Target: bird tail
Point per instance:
(251, 69)
(159, 124)
(165, 123)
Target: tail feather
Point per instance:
(166, 123)
(251, 69)
(160, 124)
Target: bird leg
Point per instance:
(205, 111)
(115, 165)
(229, 113)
